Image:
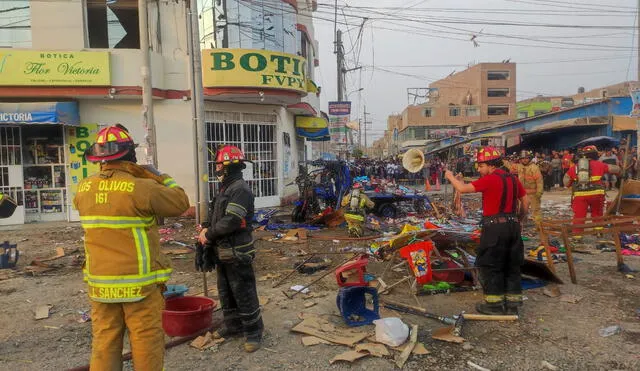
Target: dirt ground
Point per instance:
(563, 334)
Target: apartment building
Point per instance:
(483, 93)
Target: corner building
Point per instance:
(258, 62)
(68, 68)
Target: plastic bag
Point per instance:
(391, 331)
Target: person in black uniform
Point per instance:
(500, 255)
(227, 244)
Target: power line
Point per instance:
(413, 31)
(453, 65)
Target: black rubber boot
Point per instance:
(252, 343)
(494, 309)
(512, 308)
(225, 332)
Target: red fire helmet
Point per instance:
(487, 154)
(228, 155)
(112, 143)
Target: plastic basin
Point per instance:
(186, 315)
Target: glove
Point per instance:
(152, 170)
(208, 258)
(205, 258)
(153, 173)
(199, 261)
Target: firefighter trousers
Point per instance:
(499, 259)
(535, 208)
(143, 319)
(583, 204)
(239, 299)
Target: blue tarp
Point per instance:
(65, 113)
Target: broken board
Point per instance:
(375, 349)
(348, 356)
(319, 327)
(446, 334)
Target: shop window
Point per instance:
(15, 24)
(454, 111)
(497, 92)
(523, 114)
(306, 51)
(113, 24)
(44, 173)
(472, 111)
(429, 112)
(268, 25)
(536, 113)
(255, 134)
(497, 110)
(498, 75)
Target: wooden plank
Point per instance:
(544, 238)
(567, 245)
(407, 351)
(618, 244)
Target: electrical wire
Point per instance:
(429, 33)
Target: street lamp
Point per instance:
(355, 91)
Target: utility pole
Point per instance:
(340, 75)
(340, 63)
(366, 123)
(360, 134)
(197, 106)
(147, 89)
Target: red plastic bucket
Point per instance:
(184, 316)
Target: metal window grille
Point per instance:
(255, 135)
(10, 155)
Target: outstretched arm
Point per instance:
(459, 185)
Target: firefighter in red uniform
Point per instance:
(500, 255)
(585, 180)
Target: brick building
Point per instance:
(483, 93)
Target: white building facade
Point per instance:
(69, 67)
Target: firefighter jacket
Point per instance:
(118, 208)
(531, 178)
(363, 203)
(231, 216)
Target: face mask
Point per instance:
(220, 172)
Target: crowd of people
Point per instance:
(553, 164)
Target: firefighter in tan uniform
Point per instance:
(124, 268)
(531, 178)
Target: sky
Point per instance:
(558, 45)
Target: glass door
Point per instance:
(44, 173)
(11, 180)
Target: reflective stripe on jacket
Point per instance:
(530, 177)
(118, 209)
